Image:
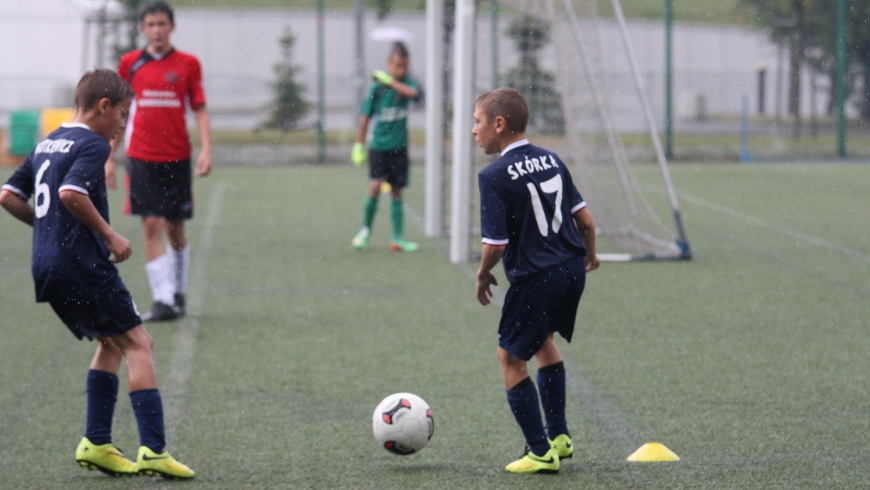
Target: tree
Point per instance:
(538, 86)
(814, 25)
(288, 107)
(382, 7)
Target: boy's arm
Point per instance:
(402, 88)
(83, 209)
(586, 226)
(16, 206)
(203, 127)
(358, 155)
(489, 259)
(111, 175)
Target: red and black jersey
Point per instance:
(157, 130)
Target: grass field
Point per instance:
(750, 362)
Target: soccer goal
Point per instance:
(630, 194)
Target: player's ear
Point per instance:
(103, 105)
(500, 124)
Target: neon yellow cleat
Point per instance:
(153, 464)
(400, 245)
(361, 240)
(530, 463)
(105, 458)
(563, 446)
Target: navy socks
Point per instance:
(102, 388)
(523, 400)
(148, 407)
(551, 383)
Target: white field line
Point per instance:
(184, 342)
(612, 423)
(812, 240)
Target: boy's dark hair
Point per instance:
(399, 50)
(507, 103)
(98, 84)
(155, 8)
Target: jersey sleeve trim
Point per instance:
(578, 207)
(70, 187)
(15, 190)
(491, 241)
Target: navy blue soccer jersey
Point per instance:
(65, 250)
(527, 201)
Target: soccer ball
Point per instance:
(403, 423)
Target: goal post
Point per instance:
(631, 195)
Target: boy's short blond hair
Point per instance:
(507, 103)
(98, 84)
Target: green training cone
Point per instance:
(653, 452)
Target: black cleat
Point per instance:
(180, 301)
(160, 312)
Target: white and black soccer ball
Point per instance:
(403, 423)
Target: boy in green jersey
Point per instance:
(388, 150)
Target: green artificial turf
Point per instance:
(750, 362)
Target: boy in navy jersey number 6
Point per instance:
(74, 252)
(532, 218)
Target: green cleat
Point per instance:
(105, 458)
(153, 464)
(563, 446)
(361, 240)
(530, 463)
(400, 245)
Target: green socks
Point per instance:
(370, 209)
(397, 213)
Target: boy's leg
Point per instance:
(361, 240)
(96, 451)
(159, 268)
(523, 400)
(138, 347)
(398, 179)
(180, 249)
(551, 383)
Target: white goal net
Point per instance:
(633, 202)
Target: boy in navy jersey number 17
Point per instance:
(74, 252)
(532, 218)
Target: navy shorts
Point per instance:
(90, 314)
(391, 166)
(160, 189)
(539, 304)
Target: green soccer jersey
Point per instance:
(391, 109)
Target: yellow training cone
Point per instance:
(653, 452)
(386, 188)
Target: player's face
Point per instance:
(157, 28)
(114, 118)
(485, 131)
(398, 66)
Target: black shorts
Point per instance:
(159, 189)
(539, 304)
(88, 314)
(391, 166)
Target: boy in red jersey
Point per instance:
(158, 178)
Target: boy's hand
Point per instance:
(119, 246)
(485, 279)
(358, 155)
(203, 163)
(382, 77)
(592, 262)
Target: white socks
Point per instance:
(160, 278)
(180, 268)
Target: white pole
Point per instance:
(434, 209)
(462, 118)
